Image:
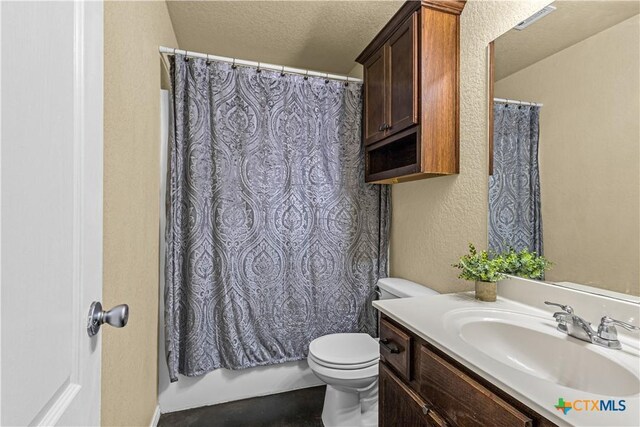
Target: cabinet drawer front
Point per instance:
(460, 398)
(395, 348)
(401, 406)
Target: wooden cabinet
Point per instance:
(402, 65)
(462, 399)
(399, 405)
(391, 84)
(421, 386)
(411, 95)
(395, 348)
(375, 97)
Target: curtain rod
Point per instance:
(513, 101)
(260, 65)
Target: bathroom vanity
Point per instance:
(420, 385)
(449, 360)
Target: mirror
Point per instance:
(566, 154)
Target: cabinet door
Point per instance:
(402, 52)
(460, 398)
(399, 405)
(375, 97)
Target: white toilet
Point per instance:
(348, 364)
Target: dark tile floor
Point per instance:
(298, 408)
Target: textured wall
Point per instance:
(433, 220)
(589, 169)
(132, 79)
(319, 35)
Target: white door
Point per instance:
(50, 211)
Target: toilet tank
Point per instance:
(394, 287)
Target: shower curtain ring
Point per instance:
(282, 72)
(326, 78)
(347, 82)
(258, 70)
(306, 75)
(208, 60)
(233, 64)
(186, 56)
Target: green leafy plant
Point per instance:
(524, 263)
(480, 266)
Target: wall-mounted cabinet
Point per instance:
(391, 84)
(411, 73)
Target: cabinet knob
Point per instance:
(389, 345)
(382, 127)
(425, 409)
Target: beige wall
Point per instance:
(434, 219)
(357, 71)
(589, 156)
(132, 76)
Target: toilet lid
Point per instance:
(345, 349)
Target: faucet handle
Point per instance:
(566, 308)
(562, 317)
(607, 321)
(608, 334)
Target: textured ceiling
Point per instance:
(318, 35)
(572, 22)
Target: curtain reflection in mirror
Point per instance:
(515, 219)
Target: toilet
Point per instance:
(348, 364)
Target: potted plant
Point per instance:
(524, 263)
(485, 269)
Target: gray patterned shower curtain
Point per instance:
(273, 238)
(515, 218)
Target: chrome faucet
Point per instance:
(571, 324)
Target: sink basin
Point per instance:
(532, 345)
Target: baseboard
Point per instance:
(156, 417)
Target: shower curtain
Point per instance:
(273, 238)
(515, 219)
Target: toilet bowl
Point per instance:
(348, 364)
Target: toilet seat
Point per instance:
(342, 374)
(345, 351)
(344, 367)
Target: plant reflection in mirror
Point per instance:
(489, 266)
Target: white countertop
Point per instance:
(430, 318)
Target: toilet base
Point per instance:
(343, 407)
